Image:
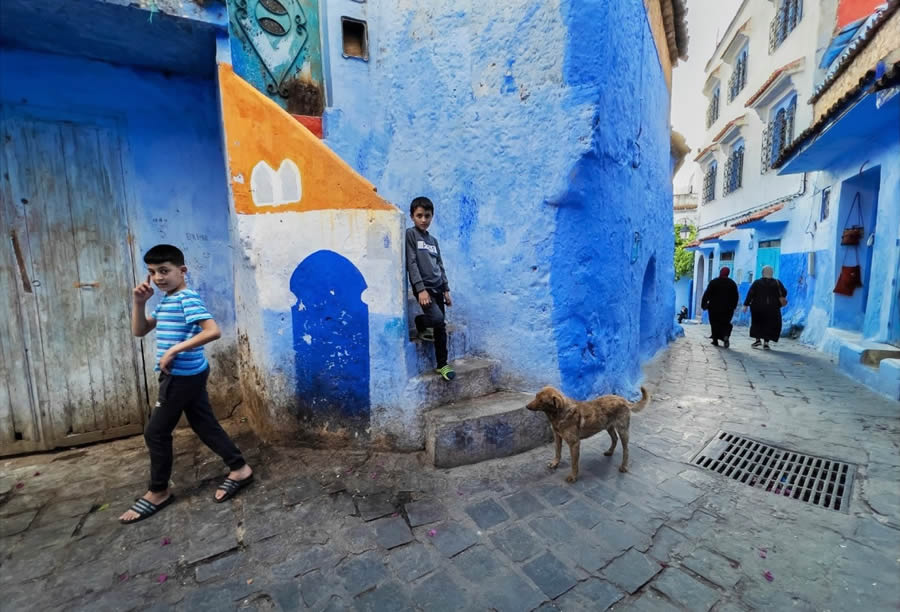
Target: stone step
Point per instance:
(475, 376)
(874, 356)
(421, 353)
(482, 428)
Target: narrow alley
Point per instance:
(367, 531)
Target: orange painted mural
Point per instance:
(277, 165)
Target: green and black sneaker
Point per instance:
(446, 372)
(427, 335)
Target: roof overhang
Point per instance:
(758, 218)
(674, 14)
(731, 130)
(862, 121)
(779, 82)
(707, 154)
(862, 37)
(714, 78)
(737, 43)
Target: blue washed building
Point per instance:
(803, 145)
(854, 145)
(255, 134)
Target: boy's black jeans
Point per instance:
(434, 317)
(185, 394)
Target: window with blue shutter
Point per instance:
(787, 16)
(738, 75)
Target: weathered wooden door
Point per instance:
(69, 365)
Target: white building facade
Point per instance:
(758, 81)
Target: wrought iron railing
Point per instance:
(765, 157)
(777, 135)
(787, 16)
(734, 171)
(709, 184)
(712, 111)
(738, 77)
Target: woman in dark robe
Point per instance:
(766, 298)
(720, 299)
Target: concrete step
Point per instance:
(873, 365)
(421, 353)
(874, 356)
(482, 428)
(474, 376)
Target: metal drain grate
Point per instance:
(825, 483)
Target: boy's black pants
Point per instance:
(434, 317)
(185, 394)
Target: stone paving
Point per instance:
(352, 530)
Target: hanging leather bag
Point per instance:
(850, 277)
(852, 234)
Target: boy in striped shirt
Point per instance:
(183, 326)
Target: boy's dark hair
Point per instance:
(421, 202)
(164, 253)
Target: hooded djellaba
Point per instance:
(766, 298)
(720, 300)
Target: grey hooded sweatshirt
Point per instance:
(423, 262)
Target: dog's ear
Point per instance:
(557, 401)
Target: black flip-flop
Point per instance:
(146, 509)
(232, 487)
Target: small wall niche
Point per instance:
(355, 37)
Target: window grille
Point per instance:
(787, 16)
(734, 170)
(712, 111)
(738, 76)
(778, 134)
(709, 183)
(766, 149)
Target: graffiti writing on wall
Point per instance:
(275, 46)
(331, 340)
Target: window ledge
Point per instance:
(779, 82)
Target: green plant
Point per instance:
(684, 260)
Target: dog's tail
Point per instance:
(641, 403)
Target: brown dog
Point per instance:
(574, 421)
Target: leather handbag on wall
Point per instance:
(852, 234)
(849, 280)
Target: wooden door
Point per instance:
(768, 253)
(70, 363)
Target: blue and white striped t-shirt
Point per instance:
(177, 319)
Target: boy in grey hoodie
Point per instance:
(429, 282)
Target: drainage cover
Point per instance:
(815, 480)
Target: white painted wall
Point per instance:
(757, 189)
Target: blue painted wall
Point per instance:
(543, 138)
(174, 166)
(683, 292)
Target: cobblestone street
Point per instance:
(353, 530)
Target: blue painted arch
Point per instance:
(331, 341)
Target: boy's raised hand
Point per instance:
(143, 292)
